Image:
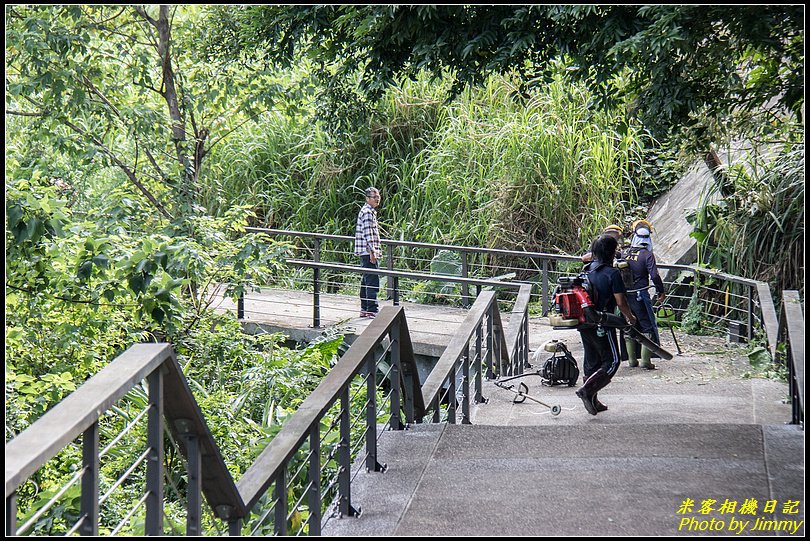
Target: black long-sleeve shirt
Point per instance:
(643, 269)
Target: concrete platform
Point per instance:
(701, 428)
(597, 480)
(704, 427)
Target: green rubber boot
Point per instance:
(646, 354)
(632, 356)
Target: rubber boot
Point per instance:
(598, 405)
(593, 384)
(632, 356)
(646, 354)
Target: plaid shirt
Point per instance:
(367, 233)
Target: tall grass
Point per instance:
(490, 168)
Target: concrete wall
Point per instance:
(671, 239)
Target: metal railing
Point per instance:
(791, 333)
(727, 304)
(170, 406)
(480, 342)
(302, 478)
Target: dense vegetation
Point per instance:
(136, 156)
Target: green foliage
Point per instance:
(494, 169)
(122, 87)
(762, 364)
(694, 320)
(689, 69)
(758, 230)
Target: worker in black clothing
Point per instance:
(643, 270)
(601, 348)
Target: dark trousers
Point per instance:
(641, 306)
(369, 286)
(600, 352)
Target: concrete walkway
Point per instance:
(702, 428)
(698, 429)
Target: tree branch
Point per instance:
(23, 113)
(121, 165)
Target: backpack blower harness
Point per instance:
(574, 308)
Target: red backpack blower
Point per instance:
(574, 307)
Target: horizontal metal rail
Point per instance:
(725, 310)
(403, 274)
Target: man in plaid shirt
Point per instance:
(367, 246)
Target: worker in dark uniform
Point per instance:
(614, 231)
(601, 348)
(643, 270)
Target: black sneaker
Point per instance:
(587, 401)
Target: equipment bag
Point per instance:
(561, 367)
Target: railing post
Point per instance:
(315, 479)
(545, 287)
(793, 320)
(490, 345)
(396, 420)
(750, 312)
(240, 306)
(316, 286)
(280, 495)
(396, 290)
(389, 264)
(11, 515)
(89, 498)
(345, 458)
(465, 385)
(154, 467)
(194, 470)
(451, 395)
(525, 359)
(436, 414)
(371, 415)
(496, 350)
(479, 390)
(409, 409)
(465, 288)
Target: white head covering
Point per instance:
(642, 238)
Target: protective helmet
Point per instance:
(641, 235)
(613, 228)
(642, 223)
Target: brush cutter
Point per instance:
(522, 393)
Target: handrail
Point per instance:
(171, 400)
(413, 244)
(402, 274)
(32, 448)
(261, 474)
(794, 327)
(769, 319)
(78, 415)
(517, 332)
(506, 352)
(767, 316)
(446, 364)
(499, 251)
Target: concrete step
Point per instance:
(606, 479)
